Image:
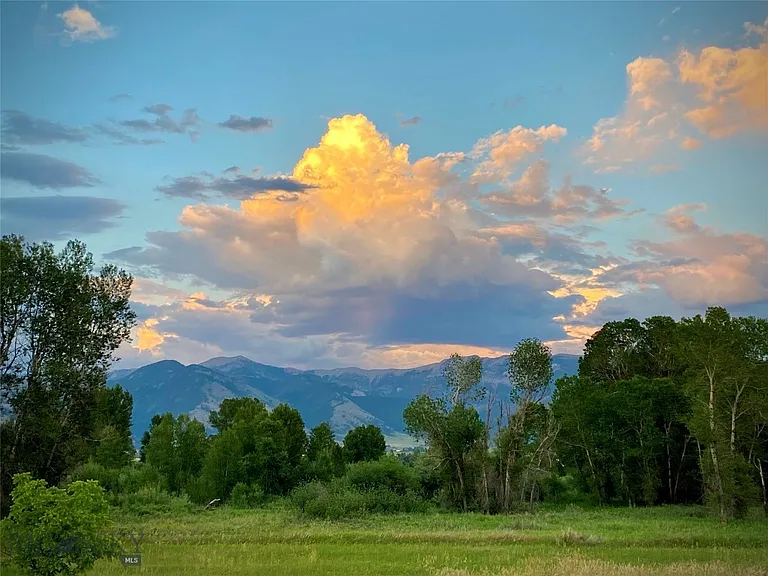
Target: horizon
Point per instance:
(380, 185)
(340, 368)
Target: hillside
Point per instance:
(345, 397)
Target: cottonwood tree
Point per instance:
(60, 324)
(530, 374)
(723, 359)
(364, 443)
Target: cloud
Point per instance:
(501, 152)
(189, 123)
(81, 26)
(718, 92)
(690, 144)
(120, 97)
(414, 121)
(378, 252)
(699, 266)
(44, 171)
(242, 124)
(239, 187)
(58, 217)
(531, 196)
(732, 86)
(21, 128)
(121, 138)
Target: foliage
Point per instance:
(153, 500)
(385, 474)
(177, 448)
(364, 443)
(60, 324)
(325, 458)
(57, 531)
(337, 499)
(244, 496)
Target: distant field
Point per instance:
(662, 541)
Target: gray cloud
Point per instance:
(243, 124)
(163, 122)
(414, 121)
(120, 97)
(122, 138)
(58, 217)
(239, 187)
(21, 128)
(44, 171)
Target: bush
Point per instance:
(57, 531)
(244, 496)
(106, 477)
(338, 499)
(385, 474)
(154, 500)
(133, 478)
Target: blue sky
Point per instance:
(656, 107)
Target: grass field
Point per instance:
(666, 541)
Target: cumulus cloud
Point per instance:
(502, 152)
(21, 128)
(531, 195)
(81, 26)
(375, 251)
(44, 171)
(58, 217)
(242, 124)
(718, 92)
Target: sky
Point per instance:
(322, 184)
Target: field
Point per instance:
(678, 541)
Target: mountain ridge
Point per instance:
(345, 397)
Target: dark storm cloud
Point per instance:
(243, 124)
(239, 187)
(481, 314)
(44, 171)
(58, 217)
(21, 128)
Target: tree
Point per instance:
(364, 443)
(58, 531)
(59, 326)
(612, 353)
(324, 455)
(147, 436)
(177, 448)
(722, 359)
(223, 418)
(113, 447)
(530, 374)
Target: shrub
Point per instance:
(57, 531)
(133, 478)
(154, 500)
(244, 496)
(572, 538)
(106, 477)
(337, 499)
(385, 474)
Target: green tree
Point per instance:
(364, 443)
(113, 447)
(177, 449)
(147, 436)
(59, 326)
(324, 455)
(57, 531)
(223, 418)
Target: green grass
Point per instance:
(667, 541)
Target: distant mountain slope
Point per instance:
(345, 397)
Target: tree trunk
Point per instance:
(713, 449)
(759, 464)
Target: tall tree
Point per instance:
(364, 443)
(60, 324)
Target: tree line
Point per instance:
(660, 412)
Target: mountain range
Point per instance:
(344, 397)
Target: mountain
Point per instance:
(345, 397)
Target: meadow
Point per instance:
(275, 541)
